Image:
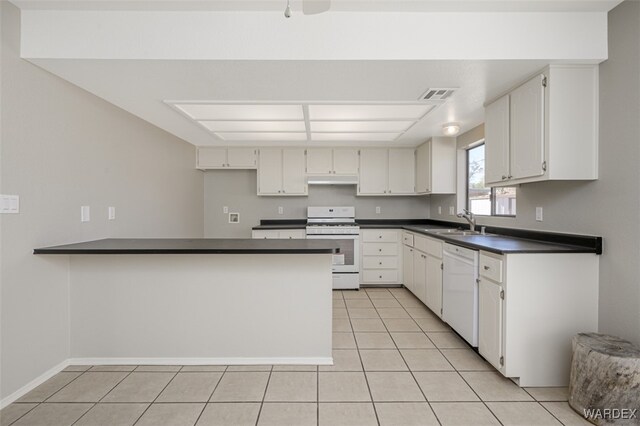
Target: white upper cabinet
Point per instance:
(226, 158)
(436, 166)
(387, 171)
(527, 129)
(319, 161)
(282, 172)
(294, 181)
(374, 165)
(332, 161)
(496, 131)
(402, 171)
(545, 129)
(345, 161)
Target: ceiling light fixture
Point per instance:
(287, 10)
(451, 129)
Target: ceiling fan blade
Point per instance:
(313, 7)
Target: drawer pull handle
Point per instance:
(379, 263)
(380, 276)
(380, 250)
(379, 236)
(486, 268)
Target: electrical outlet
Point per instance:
(9, 204)
(85, 213)
(539, 216)
(280, 210)
(111, 213)
(452, 211)
(439, 209)
(377, 209)
(225, 209)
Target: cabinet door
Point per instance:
(496, 141)
(407, 267)
(292, 234)
(294, 180)
(402, 171)
(319, 161)
(423, 168)
(420, 275)
(241, 158)
(345, 161)
(373, 171)
(527, 129)
(270, 171)
(212, 158)
(434, 284)
(264, 235)
(490, 322)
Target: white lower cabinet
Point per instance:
(433, 292)
(407, 267)
(381, 262)
(530, 306)
(284, 234)
(490, 317)
(422, 269)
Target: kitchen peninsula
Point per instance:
(199, 301)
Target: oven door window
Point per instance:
(346, 255)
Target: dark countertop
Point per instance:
(502, 244)
(499, 240)
(194, 246)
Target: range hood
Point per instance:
(332, 180)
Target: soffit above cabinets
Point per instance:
(298, 122)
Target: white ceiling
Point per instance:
(336, 5)
(142, 87)
(145, 56)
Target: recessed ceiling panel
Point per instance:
(366, 137)
(360, 126)
(254, 126)
(368, 112)
(241, 112)
(258, 137)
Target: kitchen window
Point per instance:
(486, 201)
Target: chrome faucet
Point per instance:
(470, 218)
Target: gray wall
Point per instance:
(610, 206)
(237, 190)
(62, 148)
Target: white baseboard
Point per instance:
(159, 361)
(34, 383)
(202, 361)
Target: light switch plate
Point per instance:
(225, 209)
(439, 209)
(9, 204)
(377, 209)
(111, 213)
(85, 213)
(539, 216)
(280, 210)
(452, 211)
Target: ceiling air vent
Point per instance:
(437, 94)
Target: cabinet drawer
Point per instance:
(380, 249)
(491, 268)
(380, 262)
(379, 235)
(407, 239)
(265, 234)
(292, 234)
(380, 276)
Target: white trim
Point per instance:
(202, 361)
(34, 383)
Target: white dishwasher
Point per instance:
(460, 291)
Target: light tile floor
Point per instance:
(395, 363)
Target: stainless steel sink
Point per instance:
(454, 232)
